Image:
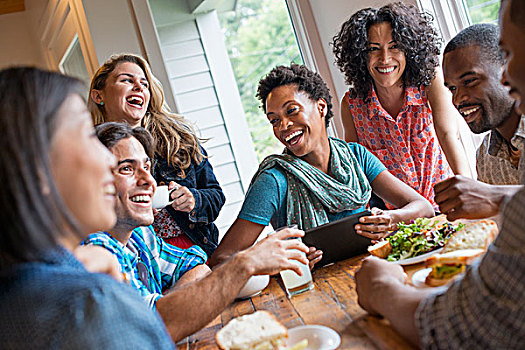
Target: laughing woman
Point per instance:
(317, 179)
(124, 89)
(47, 298)
(397, 105)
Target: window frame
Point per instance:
(314, 57)
(451, 16)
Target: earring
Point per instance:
(101, 103)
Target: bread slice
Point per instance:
(449, 265)
(463, 256)
(381, 249)
(257, 331)
(475, 235)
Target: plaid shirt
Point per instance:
(493, 159)
(485, 309)
(164, 263)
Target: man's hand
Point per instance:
(377, 225)
(382, 290)
(462, 197)
(98, 260)
(182, 197)
(371, 279)
(276, 253)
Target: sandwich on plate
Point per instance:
(461, 249)
(446, 266)
(425, 235)
(418, 237)
(475, 235)
(257, 331)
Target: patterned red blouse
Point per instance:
(407, 145)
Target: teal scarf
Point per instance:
(312, 193)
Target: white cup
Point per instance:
(161, 198)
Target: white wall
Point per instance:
(112, 27)
(19, 45)
(205, 92)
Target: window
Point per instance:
(452, 16)
(259, 36)
(73, 62)
(482, 11)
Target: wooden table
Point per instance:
(332, 303)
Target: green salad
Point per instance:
(419, 237)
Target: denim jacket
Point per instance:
(200, 180)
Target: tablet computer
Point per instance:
(337, 239)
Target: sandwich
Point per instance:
(446, 266)
(475, 235)
(257, 331)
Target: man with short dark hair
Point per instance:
(152, 267)
(473, 67)
(486, 308)
(149, 264)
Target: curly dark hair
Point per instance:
(412, 32)
(306, 80)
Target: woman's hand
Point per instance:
(377, 225)
(98, 260)
(182, 197)
(314, 256)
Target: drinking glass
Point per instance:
(293, 283)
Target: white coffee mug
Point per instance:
(162, 198)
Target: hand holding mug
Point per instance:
(161, 197)
(182, 198)
(179, 197)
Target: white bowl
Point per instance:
(319, 337)
(254, 286)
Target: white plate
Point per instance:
(418, 278)
(417, 259)
(319, 337)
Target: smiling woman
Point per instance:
(396, 105)
(124, 89)
(317, 179)
(47, 298)
(74, 146)
(127, 80)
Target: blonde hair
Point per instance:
(174, 136)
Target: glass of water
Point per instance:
(293, 283)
